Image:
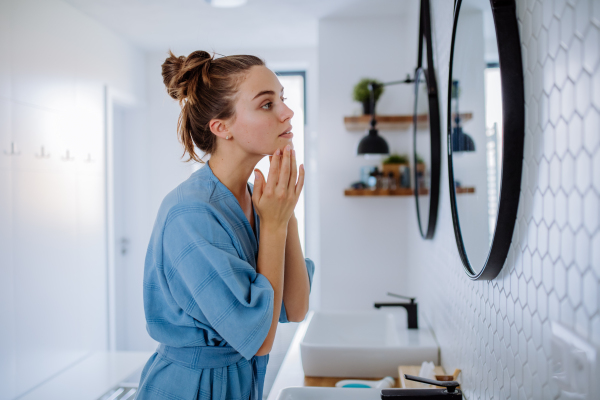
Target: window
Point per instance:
(493, 123)
(294, 84)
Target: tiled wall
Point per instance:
(498, 332)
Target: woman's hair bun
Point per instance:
(181, 74)
(205, 88)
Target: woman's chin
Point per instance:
(284, 141)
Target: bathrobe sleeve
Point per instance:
(310, 269)
(205, 272)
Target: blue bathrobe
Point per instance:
(204, 301)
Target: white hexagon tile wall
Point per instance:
(499, 332)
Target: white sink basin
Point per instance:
(363, 344)
(328, 393)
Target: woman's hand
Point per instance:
(275, 199)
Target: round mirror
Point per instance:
(486, 86)
(426, 133)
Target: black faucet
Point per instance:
(449, 393)
(411, 309)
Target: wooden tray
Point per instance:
(414, 370)
(324, 381)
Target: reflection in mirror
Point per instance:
(426, 132)
(422, 149)
(476, 129)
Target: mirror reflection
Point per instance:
(422, 145)
(476, 128)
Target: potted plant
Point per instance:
(420, 165)
(421, 175)
(363, 95)
(393, 164)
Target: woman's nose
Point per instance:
(287, 113)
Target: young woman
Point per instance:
(212, 295)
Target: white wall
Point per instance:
(364, 251)
(499, 332)
(54, 65)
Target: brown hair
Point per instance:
(205, 88)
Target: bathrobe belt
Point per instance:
(200, 357)
(208, 357)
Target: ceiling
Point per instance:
(162, 24)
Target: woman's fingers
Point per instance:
(294, 171)
(259, 184)
(273, 171)
(284, 173)
(300, 183)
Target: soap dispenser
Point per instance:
(449, 393)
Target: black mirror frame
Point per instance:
(513, 120)
(435, 131)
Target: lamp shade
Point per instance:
(461, 141)
(372, 144)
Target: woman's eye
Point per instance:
(269, 104)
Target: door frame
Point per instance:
(112, 97)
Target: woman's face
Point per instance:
(261, 116)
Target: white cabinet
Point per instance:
(46, 275)
(5, 39)
(53, 289)
(7, 305)
(54, 65)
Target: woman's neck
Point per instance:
(233, 172)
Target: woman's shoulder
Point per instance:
(197, 194)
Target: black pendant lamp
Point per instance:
(372, 143)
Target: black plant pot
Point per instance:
(367, 107)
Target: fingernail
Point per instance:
(256, 176)
(294, 153)
(287, 148)
(302, 166)
(277, 152)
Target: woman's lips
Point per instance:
(287, 135)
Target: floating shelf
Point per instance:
(379, 192)
(391, 122)
(464, 190)
(398, 192)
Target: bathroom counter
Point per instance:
(291, 372)
(91, 377)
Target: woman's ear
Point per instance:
(219, 128)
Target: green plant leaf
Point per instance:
(396, 159)
(361, 90)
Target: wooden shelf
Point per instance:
(398, 192)
(384, 122)
(391, 122)
(379, 192)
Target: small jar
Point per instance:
(393, 183)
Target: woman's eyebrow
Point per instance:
(266, 92)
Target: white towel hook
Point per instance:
(13, 152)
(43, 154)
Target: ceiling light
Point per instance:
(226, 3)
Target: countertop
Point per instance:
(91, 377)
(291, 372)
